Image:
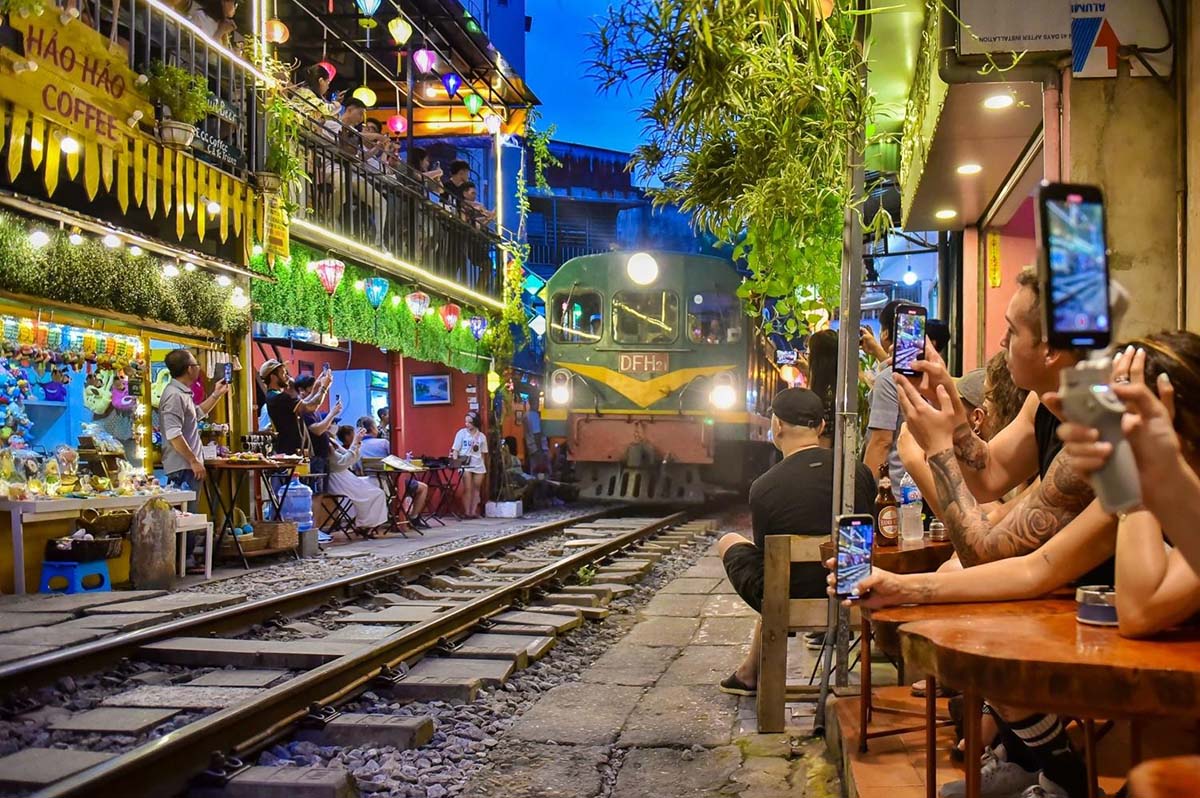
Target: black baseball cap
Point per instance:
(799, 407)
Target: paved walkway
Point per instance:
(647, 719)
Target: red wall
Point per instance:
(430, 429)
(362, 356)
(1018, 249)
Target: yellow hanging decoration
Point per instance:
(168, 178)
(201, 203)
(236, 209)
(180, 197)
(139, 169)
(151, 180)
(91, 168)
(37, 141)
(106, 167)
(16, 141)
(223, 198)
(52, 166)
(123, 180)
(73, 164)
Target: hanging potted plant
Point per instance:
(283, 165)
(184, 95)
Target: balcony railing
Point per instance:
(389, 207)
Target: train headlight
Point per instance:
(722, 396)
(642, 268)
(560, 387)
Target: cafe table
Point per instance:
(240, 476)
(444, 480)
(1053, 663)
(917, 557)
(27, 511)
(393, 482)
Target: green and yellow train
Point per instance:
(656, 379)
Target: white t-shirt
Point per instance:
(465, 445)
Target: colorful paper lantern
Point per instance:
(376, 289)
(493, 382)
(472, 26)
(277, 32)
(492, 123)
(400, 30)
(365, 95)
(452, 82)
(450, 313)
(477, 325)
(397, 123)
(368, 9)
(425, 60)
(418, 303)
(329, 272)
(473, 102)
(329, 68)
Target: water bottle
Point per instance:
(297, 505)
(911, 526)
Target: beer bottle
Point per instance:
(887, 511)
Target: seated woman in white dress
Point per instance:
(370, 508)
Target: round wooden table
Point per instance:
(1053, 663)
(912, 558)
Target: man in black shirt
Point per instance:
(794, 497)
(286, 408)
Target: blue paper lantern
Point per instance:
(368, 9)
(376, 288)
(477, 324)
(452, 82)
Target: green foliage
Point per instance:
(92, 276)
(283, 120)
(755, 107)
(297, 299)
(23, 8)
(586, 574)
(183, 93)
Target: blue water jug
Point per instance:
(297, 505)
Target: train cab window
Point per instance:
(714, 318)
(577, 318)
(645, 317)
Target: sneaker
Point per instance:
(1044, 789)
(734, 686)
(814, 641)
(324, 537)
(998, 778)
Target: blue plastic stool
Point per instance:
(75, 573)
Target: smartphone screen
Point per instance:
(1075, 265)
(908, 338)
(324, 367)
(856, 535)
(229, 374)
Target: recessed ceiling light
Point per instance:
(946, 213)
(969, 169)
(998, 101)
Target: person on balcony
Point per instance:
(452, 186)
(473, 212)
(378, 145)
(347, 179)
(215, 18)
(419, 160)
(313, 93)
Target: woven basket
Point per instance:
(279, 534)
(249, 543)
(71, 550)
(106, 524)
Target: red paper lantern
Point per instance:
(330, 271)
(397, 123)
(450, 313)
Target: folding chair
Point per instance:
(337, 509)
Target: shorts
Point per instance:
(744, 567)
(411, 487)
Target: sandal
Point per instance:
(734, 686)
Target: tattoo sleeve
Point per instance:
(1060, 497)
(969, 448)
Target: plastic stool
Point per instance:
(75, 573)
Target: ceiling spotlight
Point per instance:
(111, 240)
(997, 102)
(223, 281)
(39, 239)
(170, 270)
(946, 213)
(969, 169)
(135, 250)
(75, 238)
(188, 266)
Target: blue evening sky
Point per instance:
(556, 55)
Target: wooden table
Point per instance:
(58, 509)
(238, 473)
(914, 558)
(1172, 777)
(1055, 664)
(389, 480)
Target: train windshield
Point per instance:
(714, 318)
(645, 317)
(576, 318)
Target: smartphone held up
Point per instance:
(1073, 266)
(855, 543)
(908, 335)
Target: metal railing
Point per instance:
(228, 135)
(389, 206)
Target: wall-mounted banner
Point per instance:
(1091, 31)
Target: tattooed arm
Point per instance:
(992, 468)
(1061, 496)
(1085, 543)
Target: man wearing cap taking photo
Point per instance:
(794, 497)
(286, 409)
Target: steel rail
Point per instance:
(164, 767)
(43, 669)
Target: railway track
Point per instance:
(167, 765)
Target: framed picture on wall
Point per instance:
(305, 369)
(431, 389)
